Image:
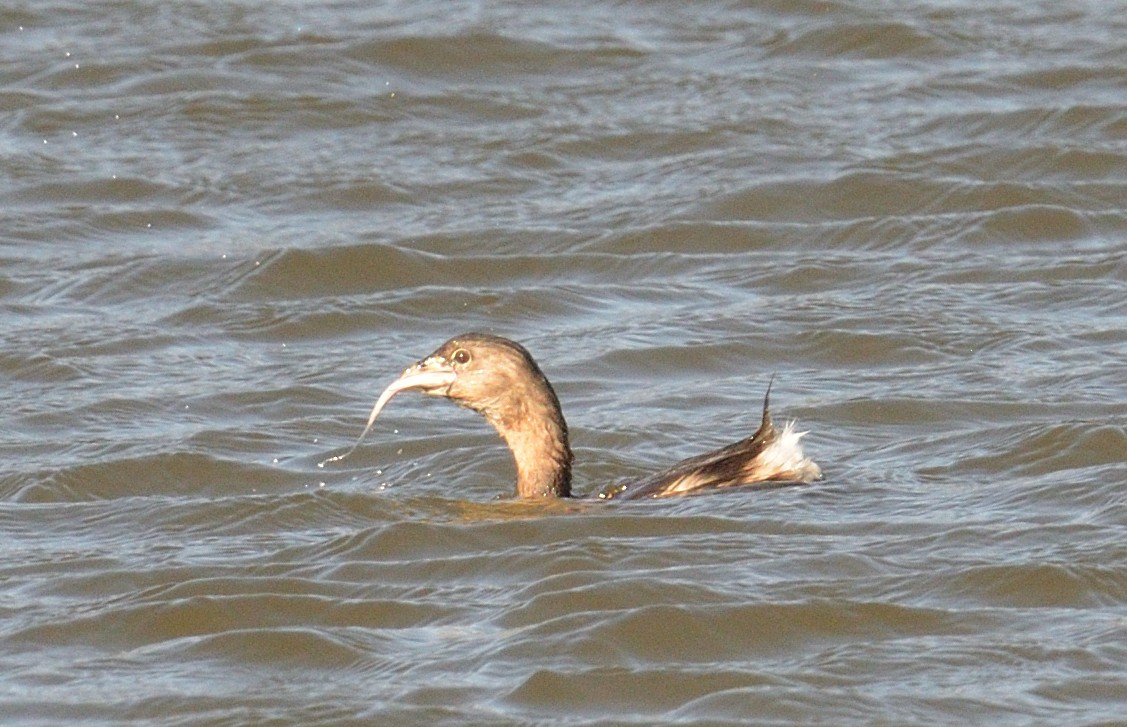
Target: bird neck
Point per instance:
(535, 430)
(543, 465)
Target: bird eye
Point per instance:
(461, 356)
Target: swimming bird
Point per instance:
(499, 379)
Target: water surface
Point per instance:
(226, 226)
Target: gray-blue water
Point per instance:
(226, 226)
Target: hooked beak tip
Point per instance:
(432, 377)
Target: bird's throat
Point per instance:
(538, 439)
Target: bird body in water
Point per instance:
(499, 379)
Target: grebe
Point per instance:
(499, 379)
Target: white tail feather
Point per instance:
(784, 458)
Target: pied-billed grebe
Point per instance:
(499, 379)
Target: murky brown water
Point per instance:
(225, 226)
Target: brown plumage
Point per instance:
(499, 379)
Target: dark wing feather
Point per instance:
(726, 467)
